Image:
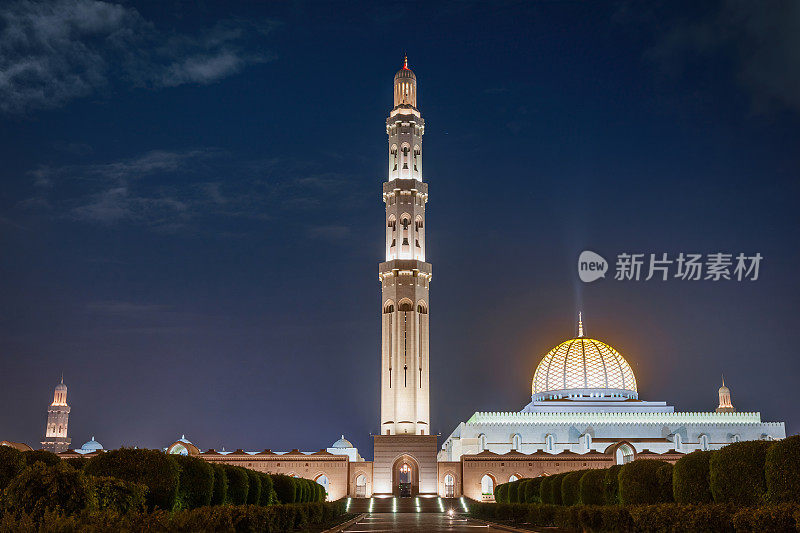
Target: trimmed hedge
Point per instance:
(645, 481)
(254, 490)
(238, 485)
(513, 492)
(220, 491)
(284, 488)
(591, 487)
(156, 470)
(196, 482)
(690, 481)
(782, 471)
(267, 491)
(118, 495)
(11, 464)
(781, 517)
(551, 489)
(41, 488)
(611, 485)
(532, 487)
(274, 518)
(40, 456)
(501, 493)
(571, 488)
(736, 473)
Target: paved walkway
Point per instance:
(428, 522)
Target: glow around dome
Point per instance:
(584, 367)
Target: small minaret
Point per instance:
(725, 405)
(55, 437)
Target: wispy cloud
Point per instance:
(175, 190)
(53, 52)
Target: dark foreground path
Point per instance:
(428, 522)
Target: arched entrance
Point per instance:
(449, 486)
(487, 488)
(405, 477)
(361, 486)
(323, 480)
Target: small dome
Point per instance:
(61, 387)
(342, 443)
(405, 72)
(92, 446)
(583, 364)
(724, 390)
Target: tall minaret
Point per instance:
(405, 275)
(55, 436)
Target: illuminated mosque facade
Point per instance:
(585, 410)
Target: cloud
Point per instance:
(173, 191)
(54, 52)
(764, 39)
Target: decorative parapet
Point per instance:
(516, 418)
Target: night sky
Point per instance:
(191, 216)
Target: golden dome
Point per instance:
(582, 364)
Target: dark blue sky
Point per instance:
(191, 221)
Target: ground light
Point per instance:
(464, 504)
(371, 502)
(347, 506)
(416, 502)
(441, 505)
(394, 505)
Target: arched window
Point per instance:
(417, 153)
(388, 307)
(481, 442)
(516, 441)
(406, 305)
(487, 487)
(513, 477)
(703, 442)
(678, 442)
(361, 486)
(422, 308)
(550, 443)
(449, 486)
(406, 148)
(394, 157)
(735, 438)
(624, 454)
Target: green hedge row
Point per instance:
(119, 479)
(671, 517)
(744, 473)
(275, 518)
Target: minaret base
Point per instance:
(418, 452)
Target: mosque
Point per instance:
(585, 410)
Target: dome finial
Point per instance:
(62, 377)
(405, 61)
(580, 324)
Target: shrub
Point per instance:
(118, 495)
(567, 518)
(156, 470)
(570, 488)
(513, 492)
(541, 514)
(690, 478)
(781, 517)
(238, 483)
(611, 485)
(41, 488)
(532, 490)
(664, 479)
(736, 473)
(76, 462)
(682, 517)
(40, 456)
(546, 490)
(254, 487)
(782, 471)
(196, 482)
(219, 493)
(284, 488)
(591, 487)
(267, 491)
(501, 493)
(641, 483)
(11, 464)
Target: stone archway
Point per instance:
(405, 476)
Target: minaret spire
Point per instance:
(405, 61)
(580, 324)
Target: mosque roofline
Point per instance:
(517, 417)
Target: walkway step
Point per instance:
(417, 504)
